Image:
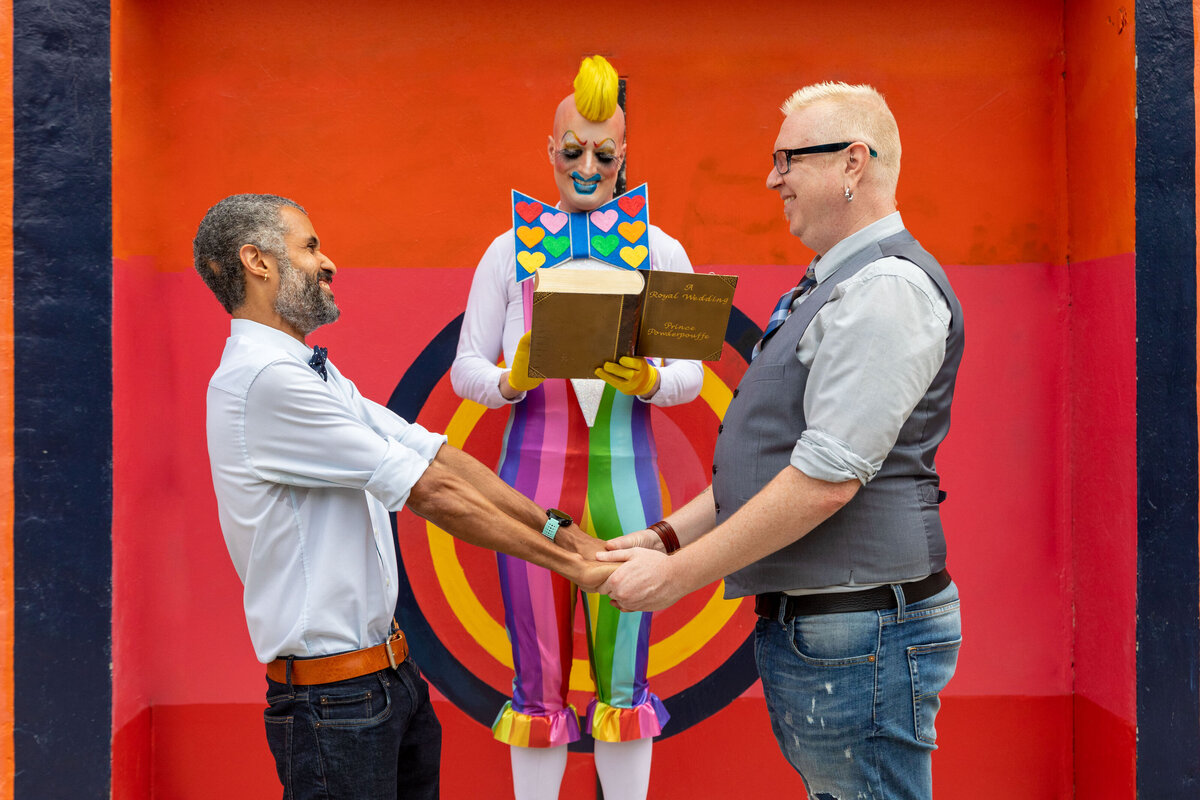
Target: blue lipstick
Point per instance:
(585, 185)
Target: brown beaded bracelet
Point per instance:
(665, 532)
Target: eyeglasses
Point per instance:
(783, 158)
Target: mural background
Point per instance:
(402, 128)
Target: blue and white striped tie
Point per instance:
(783, 308)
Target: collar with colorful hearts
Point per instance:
(617, 233)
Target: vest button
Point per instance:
(714, 469)
(735, 391)
(721, 428)
(716, 506)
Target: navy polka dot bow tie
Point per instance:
(317, 362)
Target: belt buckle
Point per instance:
(398, 636)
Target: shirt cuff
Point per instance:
(417, 437)
(493, 398)
(678, 382)
(827, 458)
(399, 472)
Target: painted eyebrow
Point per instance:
(610, 143)
(574, 136)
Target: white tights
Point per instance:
(623, 767)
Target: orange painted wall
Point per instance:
(402, 128)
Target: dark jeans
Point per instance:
(369, 738)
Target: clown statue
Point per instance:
(583, 446)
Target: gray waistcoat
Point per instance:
(891, 530)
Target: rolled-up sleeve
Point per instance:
(872, 356)
(299, 432)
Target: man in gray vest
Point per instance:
(824, 500)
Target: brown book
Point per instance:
(582, 318)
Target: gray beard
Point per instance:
(301, 301)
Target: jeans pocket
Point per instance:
(359, 704)
(279, 723)
(931, 667)
(833, 640)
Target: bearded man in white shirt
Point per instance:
(306, 472)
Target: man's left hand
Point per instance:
(644, 582)
(573, 539)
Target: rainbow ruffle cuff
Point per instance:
(612, 724)
(523, 730)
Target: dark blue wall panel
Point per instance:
(1168, 633)
(62, 285)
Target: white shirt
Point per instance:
(495, 320)
(306, 472)
(873, 349)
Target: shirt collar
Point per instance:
(265, 334)
(826, 265)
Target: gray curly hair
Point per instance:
(235, 221)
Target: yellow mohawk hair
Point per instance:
(596, 88)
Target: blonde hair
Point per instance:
(862, 115)
(596, 88)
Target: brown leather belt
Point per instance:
(343, 666)
(878, 598)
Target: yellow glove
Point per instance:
(632, 375)
(518, 375)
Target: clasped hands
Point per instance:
(633, 570)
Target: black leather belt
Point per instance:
(879, 598)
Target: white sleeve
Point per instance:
(300, 432)
(386, 422)
(490, 319)
(679, 380)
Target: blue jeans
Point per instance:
(369, 738)
(853, 697)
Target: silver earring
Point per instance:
(849, 194)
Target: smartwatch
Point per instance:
(555, 519)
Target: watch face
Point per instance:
(563, 518)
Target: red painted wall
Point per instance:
(1100, 98)
(402, 128)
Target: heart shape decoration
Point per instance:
(531, 261)
(556, 245)
(553, 222)
(528, 211)
(632, 231)
(604, 219)
(606, 244)
(531, 236)
(631, 204)
(634, 256)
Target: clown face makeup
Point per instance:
(586, 157)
